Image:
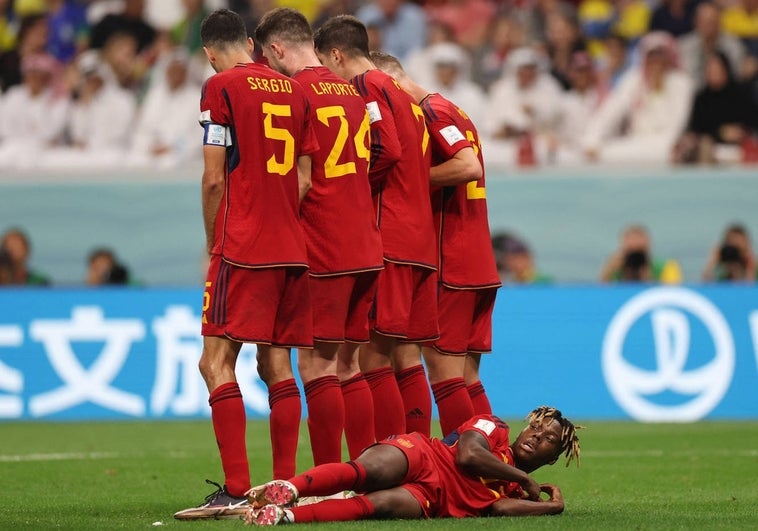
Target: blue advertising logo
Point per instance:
(668, 355)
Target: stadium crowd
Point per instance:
(106, 83)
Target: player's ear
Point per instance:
(250, 46)
(210, 55)
(337, 56)
(278, 50)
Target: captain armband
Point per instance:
(214, 134)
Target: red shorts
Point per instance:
(271, 306)
(422, 480)
(465, 318)
(406, 303)
(341, 305)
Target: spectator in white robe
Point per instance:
(450, 77)
(524, 106)
(33, 113)
(100, 123)
(642, 118)
(419, 61)
(167, 133)
(578, 105)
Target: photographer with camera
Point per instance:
(633, 261)
(732, 259)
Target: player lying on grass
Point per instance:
(474, 471)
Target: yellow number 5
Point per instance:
(277, 133)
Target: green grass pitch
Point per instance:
(133, 475)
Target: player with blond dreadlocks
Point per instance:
(569, 441)
(474, 471)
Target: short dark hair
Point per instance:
(285, 23)
(101, 252)
(386, 62)
(223, 28)
(737, 228)
(344, 32)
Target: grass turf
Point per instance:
(130, 475)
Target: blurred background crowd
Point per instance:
(93, 83)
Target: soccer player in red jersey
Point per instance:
(468, 275)
(257, 145)
(405, 311)
(474, 471)
(344, 244)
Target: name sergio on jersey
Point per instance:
(340, 89)
(270, 85)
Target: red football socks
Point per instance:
(284, 426)
(453, 403)
(359, 415)
(479, 399)
(326, 418)
(357, 508)
(389, 416)
(229, 421)
(414, 389)
(331, 478)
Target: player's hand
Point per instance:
(553, 491)
(531, 487)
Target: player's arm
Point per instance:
(385, 144)
(473, 456)
(214, 177)
(519, 507)
(304, 182)
(463, 167)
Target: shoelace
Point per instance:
(212, 495)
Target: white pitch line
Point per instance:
(749, 452)
(81, 456)
(60, 456)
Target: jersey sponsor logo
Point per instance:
(452, 134)
(374, 114)
(487, 426)
(341, 89)
(270, 84)
(668, 355)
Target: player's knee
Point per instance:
(385, 465)
(383, 506)
(215, 369)
(207, 368)
(394, 503)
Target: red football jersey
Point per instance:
(337, 213)
(466, 259)
(399, 170)
(267, 117)
(467, 495)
